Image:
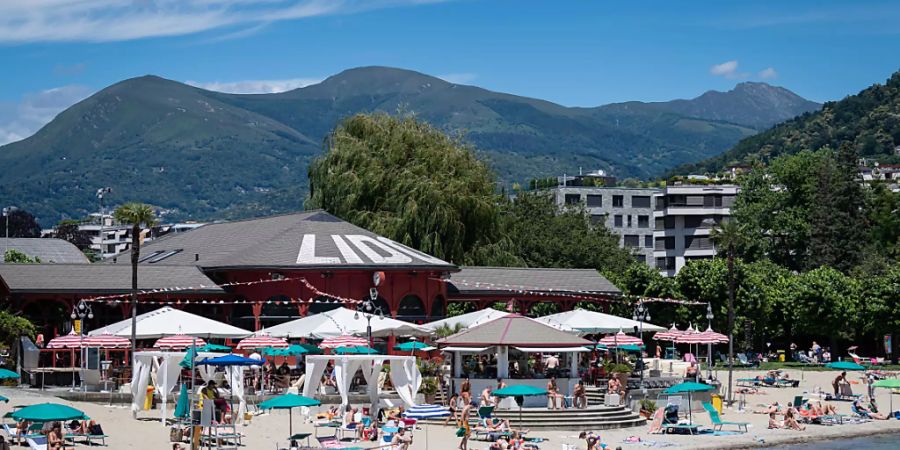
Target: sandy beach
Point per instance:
(270, 428)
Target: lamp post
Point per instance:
(709, 318)
(100, 193)
(81, 311)
(7, 211)
(370, 309)
(641, 315)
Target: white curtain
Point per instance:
(344, 370)
(236, 377)
(371, 371)
(166, 379)
(406, 380)
(314, 370)
(140, 377)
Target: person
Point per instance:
(658, 352)
(401, 440)
(465, 390)
(210, 392)
(486, 398)
(464, 430)
(580, 395)
(55, 440)
(773, 422)
(349, 422)
(692, 371)
(836, 384)
(552, 365)
(553, 394)
(771, 409)
(866, 413)
(452, 405)
(790, 418)
(870, 384)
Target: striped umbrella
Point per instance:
(344, 341)
(71, 340)
(106, 340)
(620, 339)
(707, 337)
(420, 412)
(261, 340)
(669, 335)
(179, 341)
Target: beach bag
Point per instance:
(95, 429)
(176, 434)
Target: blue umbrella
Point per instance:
(426, 412)
(230, 360)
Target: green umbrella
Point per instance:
(48, 412)
(183, 407)
(358, 350)
(311, 349)
(289, 402)
(411, 346)
(214, 348)
(844, 365)
(188, 361)
(292, 350)
(4, 399)
(7, 374)
(520, 390)
(689, 387)
(892, 383)
(631, 348)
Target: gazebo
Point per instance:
(521, 335)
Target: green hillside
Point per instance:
(869, 120)
(201, 155)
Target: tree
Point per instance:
(883, 209)
(21, 225)
(14, 256)
(12, 327)
(728, 236)
(836, 215)
(137, 215)
(826, 303)
(67, 230)
(406, 180)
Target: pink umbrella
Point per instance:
(261, 340)
(344, 341)
(707, 337)
(106, 340)
(71, 340)
(178, 342)
(669, 335)
(619, 339)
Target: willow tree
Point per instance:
(404, 179)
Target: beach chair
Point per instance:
(718, 423)
(37, 442)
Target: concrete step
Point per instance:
(593, 418)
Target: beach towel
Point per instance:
(656, 421)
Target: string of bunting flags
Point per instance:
(569, 293)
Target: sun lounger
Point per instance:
(37, 443)
(717, 421)
(690, 428)
(747, 382)
(88, 438)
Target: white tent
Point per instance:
(467, 320)
(342, 321)
(168, 321)
(589, 322)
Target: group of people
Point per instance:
(56, 437)
(790, 416)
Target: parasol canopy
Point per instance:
(844, 365)
(344, 341)
(48, 412)
(71, 340)
(707, 337)
(261, 340)
(106, 340)
(619, 339)
(179, 341)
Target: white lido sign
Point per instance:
(353, 247)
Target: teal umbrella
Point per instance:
(183, 407)
(8, 374)
(412, 346)
(48, 412)
(291, 350)
(358, 350)
(631, 348)
(4, 399)
(188, 361)
(289, 402)
(689, 387)
(214, 348)
(844, 365)
(520, 390)
(311, 349)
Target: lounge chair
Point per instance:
(689, 427)
(37, 443)
(717, 421)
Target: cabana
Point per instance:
(343, 321)
(519, 335)
(168, 321)
(591, 322)
(405, 376)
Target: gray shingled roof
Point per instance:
(513, 330)
(100, 278)
(493, 279)
(275, 242)
(48, 250)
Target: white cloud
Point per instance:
(19, 120)
(255, 86)
(768, 73)
(726, 69)
(116, 20)
(458, 78)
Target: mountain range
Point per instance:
(198, 154)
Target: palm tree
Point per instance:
(728, 236)
(137, 215)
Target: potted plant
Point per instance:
(429, 389)
(647, 407)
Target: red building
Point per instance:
(259, 272)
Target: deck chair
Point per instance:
(37, 443)
(718, 423)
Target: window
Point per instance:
(641, 258)
(665, 243)
(143, 258)
(665, 263)
(618, 220)
(594, 201)
(618, 201)
(643, 221)
(693, 221)
(164, 256)
(640, 201)
(629, 221)
(661, 263)
(598, 219)
(670, 222)
(698, 243)
(728, 201)
(660, 224)
(648, 241)
(632, 240)
(573, 199)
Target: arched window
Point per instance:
(411, 308)
(438, 308)
(323, 304)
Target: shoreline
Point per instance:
(805, 439)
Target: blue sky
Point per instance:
(577, 53)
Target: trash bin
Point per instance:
(717, 402)
(148, 401)
(780, 355)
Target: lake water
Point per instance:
(881, 442)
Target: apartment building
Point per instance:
(684, 217)
(108, 237)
